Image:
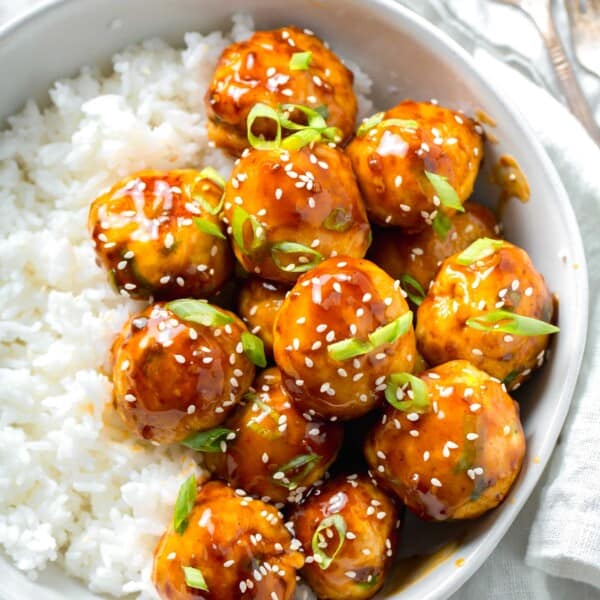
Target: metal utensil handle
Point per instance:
(566, 77)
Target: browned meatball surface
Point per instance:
(239, 545)
(260, 69)
(348, 531)
(173, 376)
(452, 452)
(287, 210)
(259, 302)
(156, 235)
(501, 279)
(420, 255)
(341, 330)
(391, 160)
(276, 453)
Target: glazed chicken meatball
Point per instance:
(420, 255)
(277, 67)
(453, 449)
(259, 303)
(238, 548)
(289, 209)
(400, 160)
(474, 308)
(156, 234)
(276, 453)
(341, 330)
(172, 375)
(348, 531)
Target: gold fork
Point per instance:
(584, 16)
(541, 14)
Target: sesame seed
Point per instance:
(436, 482)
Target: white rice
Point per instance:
(75, 487)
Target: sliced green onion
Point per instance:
(213, 175)
(418, 396)
(345, 349)
(478, 250)
(406, 123)
(339, 523)
(445, 192)
(184, 504)
(208, 227)
(254, 349)
(441, 224)
(256, 420)
(295, 248)
(508, 322)
(413, 289)
(198, 311)
(263, 111)
(207, 441)
(300, 61)
(304, 460)
(377, 120)
(388, 334)
(369, 123)
(323, 110)
(511, 377)
(259, 236)
(194, 579)
(339, 219)
(314, 118)
(301, 138)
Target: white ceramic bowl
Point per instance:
(406, 57)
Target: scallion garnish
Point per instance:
(209, 227)
(321, 541)
(387, 334)
(478, 250)
(214, 176)
(441, 224)
(301, 138)
(256, 421)
(198, 311)
(323, 110)
(207, 441)
(300, 61)
(254, 349)
(508, 322)
(377, 120)
(349, 348)
(445, 192)
(339, 219)
(238, 223)
(307, 258)
(304, 460)
(397, 389)
(184, 504)
(194, 579)
(413, 289)
(314, 130)
(314, 118)
(263, 111)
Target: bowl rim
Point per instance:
(440, 42)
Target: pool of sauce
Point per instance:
(511, 180)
